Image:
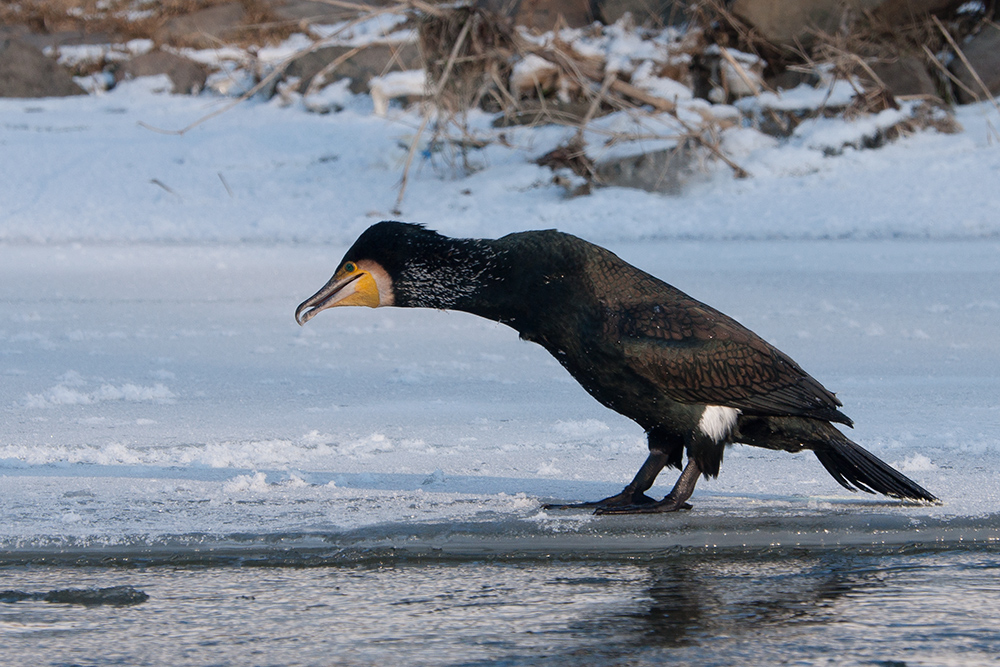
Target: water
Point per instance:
(844, 606)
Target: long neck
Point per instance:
(518, 280)
(454, 275)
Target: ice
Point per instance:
(495, 425)
(158, 395)
(64, 395)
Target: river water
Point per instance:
(837, 606)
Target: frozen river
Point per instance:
(167, 426)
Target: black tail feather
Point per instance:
(857, 468)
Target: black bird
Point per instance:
(696, 380)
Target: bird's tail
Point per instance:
(857, 468)
(851, 465)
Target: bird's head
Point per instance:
(399, 264)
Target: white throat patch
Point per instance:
(717, 421)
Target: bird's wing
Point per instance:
(695, 354)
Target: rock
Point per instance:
(654, 12)
(788, 79)
(306, 12)
(909, 11)
(13, 30)
(187, 76)
(983, 53)
(203, 29)
(542, 15)
(905, 75)
(26, 72)
(55, 40)
(375, 60)
(785, 22)
(664, 171)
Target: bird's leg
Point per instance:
(674, 501)
(632, 495)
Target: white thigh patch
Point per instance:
(717, 421)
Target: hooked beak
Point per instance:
(355, 289)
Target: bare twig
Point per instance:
(438, 103)
(396, 210)
(740, 70)
(280, 68)
(947, 72)
(354, 6)
(965, 61)
(438, 89)
(426, 8)
(589, 74)
(459, 41)
(158, 182)
(713, 148)
(658, 103)
(320, 77)
(218, 112)
(226, 185)
(609, 78)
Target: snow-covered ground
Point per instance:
(157, 392)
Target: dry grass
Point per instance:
(49, 16)
(865, 40)
(720, 26)
(261, 26)
(469, 54)
(134, 19)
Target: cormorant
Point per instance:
(695, 379)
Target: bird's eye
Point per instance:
(350, 267)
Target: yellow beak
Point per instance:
(357, 288)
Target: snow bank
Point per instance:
(90, 169)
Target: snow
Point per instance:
(530, 73)
(71, 55)
(837, 93)
(409, 83)
(157, 392)
(663, 87)
(334, 97)
(377, 28)
(828, 134)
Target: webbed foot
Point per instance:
(668, 504)
(624, 499)
(675, 500)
